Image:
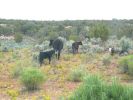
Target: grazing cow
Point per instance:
(44, 55)
(123, 52)
(75, 47)
(57, 45)
(112, 51)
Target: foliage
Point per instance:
(53, 35)
(125, 44)
(73, 37)
(19, 67)
(17, 71)
(43, 46)
(69, 45)
(13, 94)
(126, 65)
(113, 41)
(18, 37)
(88, 57)
(92, 46)
(64, 28)
(116, 91)
(96, 49)
(126, 30)
(11, 45)
(93, 88)
(76, 75)
(99, 30)
(95, 41)
(32, 78)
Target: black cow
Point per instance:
(44, 55)
(57, 45)
(75, 47)
(123, 52)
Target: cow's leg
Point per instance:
(58, 55)
(77, 50)
(73, 50)
(49, 59)
(40, 62)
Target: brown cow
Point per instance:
(75, 46)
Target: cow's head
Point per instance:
(80, 43)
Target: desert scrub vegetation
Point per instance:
(126, 65)
(76, 75)
(18, 37)
(16, 71)
(106, 60)
(94, 88)
(32, 78)
(1, 55)
(88, 57)
(67, 57)
(126, 44)
(13, 94)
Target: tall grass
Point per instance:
(93, 88)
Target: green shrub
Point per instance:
(32, 78)
(53, 35)
(74, 37)
(125, 64)
(99, 30)
(18, 37)
(115, 90)
(93, 88)
(76, 75)
(125, 44)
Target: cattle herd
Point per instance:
(57, 46)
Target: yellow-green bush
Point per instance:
(32, 78)
(13, 94)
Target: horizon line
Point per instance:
(65, 19)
